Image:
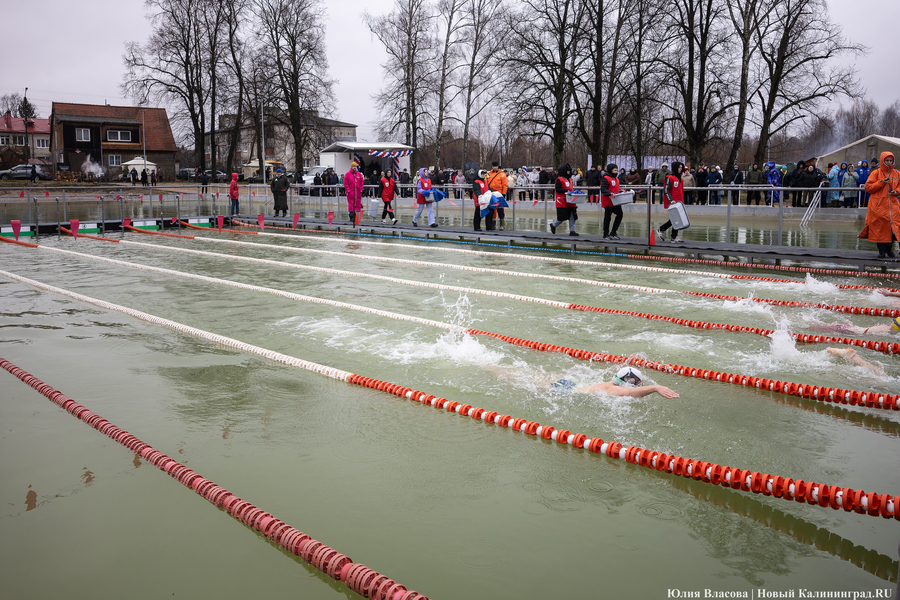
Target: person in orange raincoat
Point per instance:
(883, 214)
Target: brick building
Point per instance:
(18, 138)
(110, 135)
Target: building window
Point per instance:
(114, 135)
(115, 160)
(82, 135)
(4, 140)
(18, 140)
(42, 143)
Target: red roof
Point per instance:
(11, 124)
(158, 136)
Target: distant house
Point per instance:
(110, 135)
(319, 132)
(16, 136)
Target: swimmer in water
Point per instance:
(627, 383)
(850, 355)
(894, 325)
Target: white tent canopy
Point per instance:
(139, 161)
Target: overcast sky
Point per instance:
(72, 52)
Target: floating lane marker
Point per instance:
(358, 577)
(819, 393)
(836, 497)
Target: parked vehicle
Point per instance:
(24, 172)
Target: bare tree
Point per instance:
(450, 23)
(10, 103)
(406, 34)
(213, 17)
(171, 68)
(295, 40)
(889, 123)
(857, 121)
(747, 17)
(480, 18)
(642, 97)
(696, 74)
(551, 53)
(800, 65)
(234, 64)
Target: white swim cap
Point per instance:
(629, 375)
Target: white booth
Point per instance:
(378, 155)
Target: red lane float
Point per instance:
(285, 227)
(18, 242)
(856, 310)
(835, 497)
(871, 399)
(700, 261)
(886, 509)
(321, 557)
(811, 392)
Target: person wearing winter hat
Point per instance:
(609, 185)
(353, 184)
(565, 210)
(883, 213)
(280, 185)
(673, 191)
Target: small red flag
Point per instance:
(221, 220)
(296, 217)
(330, 217)
(73, 225)
(261, 219)
(17, 227)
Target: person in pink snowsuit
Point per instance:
(353, 184)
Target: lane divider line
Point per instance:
(361, 579)
(836, 497)
(806, 270)
(572, 261)
(856, 310)
(818, 393)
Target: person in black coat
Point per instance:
(700, 177)
(543, 179)
(592, 180)
(737, 178)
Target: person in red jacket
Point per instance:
(565, 210)
(609, 185)
(673, 191)
(386, 187)
(234, 192)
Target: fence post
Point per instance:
(58, 222)
(649, 206)
(728, 220)
(102, 215)
(37, 224)
(178, 209)
(780, 223)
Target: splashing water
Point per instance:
(821, 287)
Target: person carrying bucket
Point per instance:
(565, 210)
(673, 191)
(609, 185)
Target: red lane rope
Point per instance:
(18, 242)
(856, 310)
(829, 394)
(884, 347)
(359, 578)
(811, 392)
(883, 505)
(834, 496)
(700, 261)
(242, 224)
(174, 235)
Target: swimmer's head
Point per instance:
(895, 325)
(564, 385)
(629, 377)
